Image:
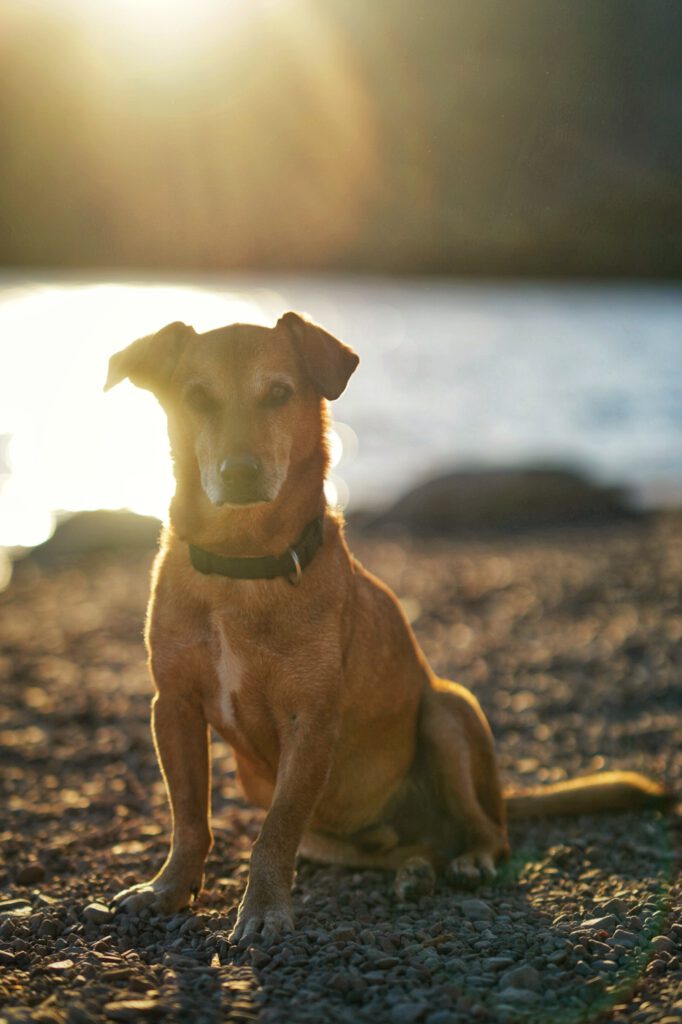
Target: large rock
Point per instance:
(98, 531)
(504, 499)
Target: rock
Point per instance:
(662, 944)
(97, 913)
(604, 965)
(524, 976)
(406, 1013)
(623, 937)
(133, 1009)
(601, 924)
(96, 531)
(477, 910)
(60, 965)
(6, 958)
(497, 963)
(614, 906)
(344, 933)
(519, 996)
(385, 963)
(443, 1017)
(31, 873)
(521, 498)
(15, 908)
(259, 957)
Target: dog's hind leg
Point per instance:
(460, 754)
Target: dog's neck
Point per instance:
(253, 531)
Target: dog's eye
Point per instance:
(198, 398)
(277, 395)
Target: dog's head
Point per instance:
(244, 403)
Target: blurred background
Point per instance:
(482, 197)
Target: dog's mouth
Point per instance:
(241, 500)
(238, 495)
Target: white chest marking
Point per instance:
(229, 669)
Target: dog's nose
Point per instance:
(240, 470)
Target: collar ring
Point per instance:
(295, 578)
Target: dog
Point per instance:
(262, 625)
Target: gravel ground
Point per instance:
(573, 643)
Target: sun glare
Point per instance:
(70, 446)
(161, 32)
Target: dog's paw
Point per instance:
(160, 898)
(470, 870)
(414, 878)
(269, 922)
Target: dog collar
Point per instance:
(291, 564)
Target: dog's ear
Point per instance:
(328, 361)
(150, 361)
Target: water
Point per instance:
(451, 374)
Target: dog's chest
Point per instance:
(229, 670)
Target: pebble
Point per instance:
(15, 908)
(615, 906)
(601, 924)
(519, 995)
(661, 943)
(496, 963)
(523, 977)
(133, 1009)
(407, 1013)
(477, 910)
(97, 913)
(623, 937)
(31, 873)
(442, 1017)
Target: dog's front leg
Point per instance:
(305, 760)
(181, 738)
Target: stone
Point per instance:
(477, 910)
(132, 1009)
(604, 965)
(15, 908)
(406, 1013)
(97, 913)
(523, 977)
(442, 1017)
(519, 996)
(497, 963)
(623, 937)
(662, 944)
(259, 957)
(601, 924)
(31, 873)
(615, 906)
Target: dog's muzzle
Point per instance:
(241, 480)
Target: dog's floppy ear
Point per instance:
(328, 361)
(149, 362)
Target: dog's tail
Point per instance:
(591, 794)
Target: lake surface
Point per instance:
(452, 374)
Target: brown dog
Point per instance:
(340, 729)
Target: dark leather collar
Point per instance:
(291, 564)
